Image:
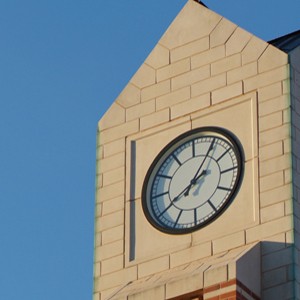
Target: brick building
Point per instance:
(198, 169)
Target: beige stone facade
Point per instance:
(204, 71)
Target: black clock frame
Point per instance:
(238, 149)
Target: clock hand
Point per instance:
(185, 191)
(196, 177)
(193, 182)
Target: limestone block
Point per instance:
(275, 135)
(266, 78)
(115, 279)
(110, 221)
(273, 105)
(190, 106)
(274, 277)
(237, 42)
(279, 194)
(140, 110)
(119, 132)
(253, 50)
(112, 264)
(114, 116)
(226, 64)
(190, 254)
(98, 209)
(271, 151)
(273, 244)
(155, 119)
(277, 259)
(109, 250)
(131, 95)
(112, 293)
(227, 92)
(185, 80)
(156, 90)
(193, 22)
(113, 148)
(290, 238)
(221, 33)
(271, 121)
(110, 191)
(113, 176)
(153, 266)
(286, 86)
(276, 164)
(288, 176)
(173, 98)
(208, 85)
(272, 58)
(215, 275)
(113, 205)
(283, 291)
(97, 269)
(173, 69)
(98, 238)
(159, 57)
(229, 242)
(289, 207)
(208, 57)
(272, 212)
(112, 234)
(145, 76)
(184, 285)
(157, 293)
(111, 163)
(271, 91)
(269, 229)
(190, 49)
(271, 181)
(287, 116)
(243, 72)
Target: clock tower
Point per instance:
(198, 177)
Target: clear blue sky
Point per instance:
(62, 63)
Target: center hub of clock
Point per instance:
(191, 187)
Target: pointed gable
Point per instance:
(198, 52)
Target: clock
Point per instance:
(192, 180)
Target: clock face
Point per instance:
(192, 180)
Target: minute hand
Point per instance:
(195, 178)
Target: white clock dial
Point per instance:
(192, 180)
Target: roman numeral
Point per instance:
(211, 205)
(223, 154)
(164, 176)
(176, 159)
(193, 148)
(224, 188)
(178, 217)
(159, 195)
(165, 210)
(228, 170)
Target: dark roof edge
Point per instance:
(287, 42)
(200, 2)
